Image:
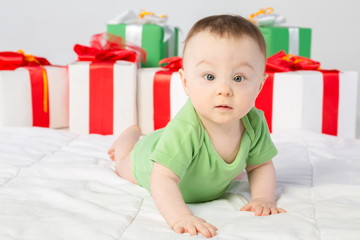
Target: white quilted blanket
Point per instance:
(57, 185)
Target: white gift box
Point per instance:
(123, 112)
(146, 105)
(298, 103)
(16, 97)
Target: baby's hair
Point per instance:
(230, 26)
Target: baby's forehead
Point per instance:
(202, 38)
(218, 35)
(205, 34)
(207, 47)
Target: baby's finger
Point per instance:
(191, 230)
(247, 207)
(265, 211)
(274, 210)
(201, 228)
(280, 210)
(211, 228)
(258, 211)
(179, 229)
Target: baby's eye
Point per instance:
(238, 78)
(209, 77)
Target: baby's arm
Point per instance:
(169, 201)
(262, 180)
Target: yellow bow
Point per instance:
(268, 10)
(144, 13)
(31, 58)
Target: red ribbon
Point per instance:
(161, 90)
(108, 47)
(331, 99)
(264, 101)
(101, 100)
(281, 62)
(38, 82)
(41, 117)
(105, 49)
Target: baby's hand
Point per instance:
(194, 225)
(262, 207)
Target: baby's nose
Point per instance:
(224, 89)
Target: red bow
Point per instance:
(108, 47)
(282, 62)
(13, 60)
(171, 63)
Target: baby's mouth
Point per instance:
(223, 107)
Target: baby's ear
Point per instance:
(183, 80)
(263, 81)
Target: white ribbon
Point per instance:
(170, 32)
(133, 33)
(294, 41)
(269, 19)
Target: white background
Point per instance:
(50, 28)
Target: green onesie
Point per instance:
(185, 148)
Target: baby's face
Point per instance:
(222, 76)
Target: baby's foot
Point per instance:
(111, 153)
(124, 143)
(112, 149)
(115, 145)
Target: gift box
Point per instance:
(160, 96)
(102, 87)
(158, 39)
(323, 101)
(293, 40)
(102, 97)
(32, 94)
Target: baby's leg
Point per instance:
(120, 152)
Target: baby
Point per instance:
(215, 136)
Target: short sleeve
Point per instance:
(177, 146)
(262, 147)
